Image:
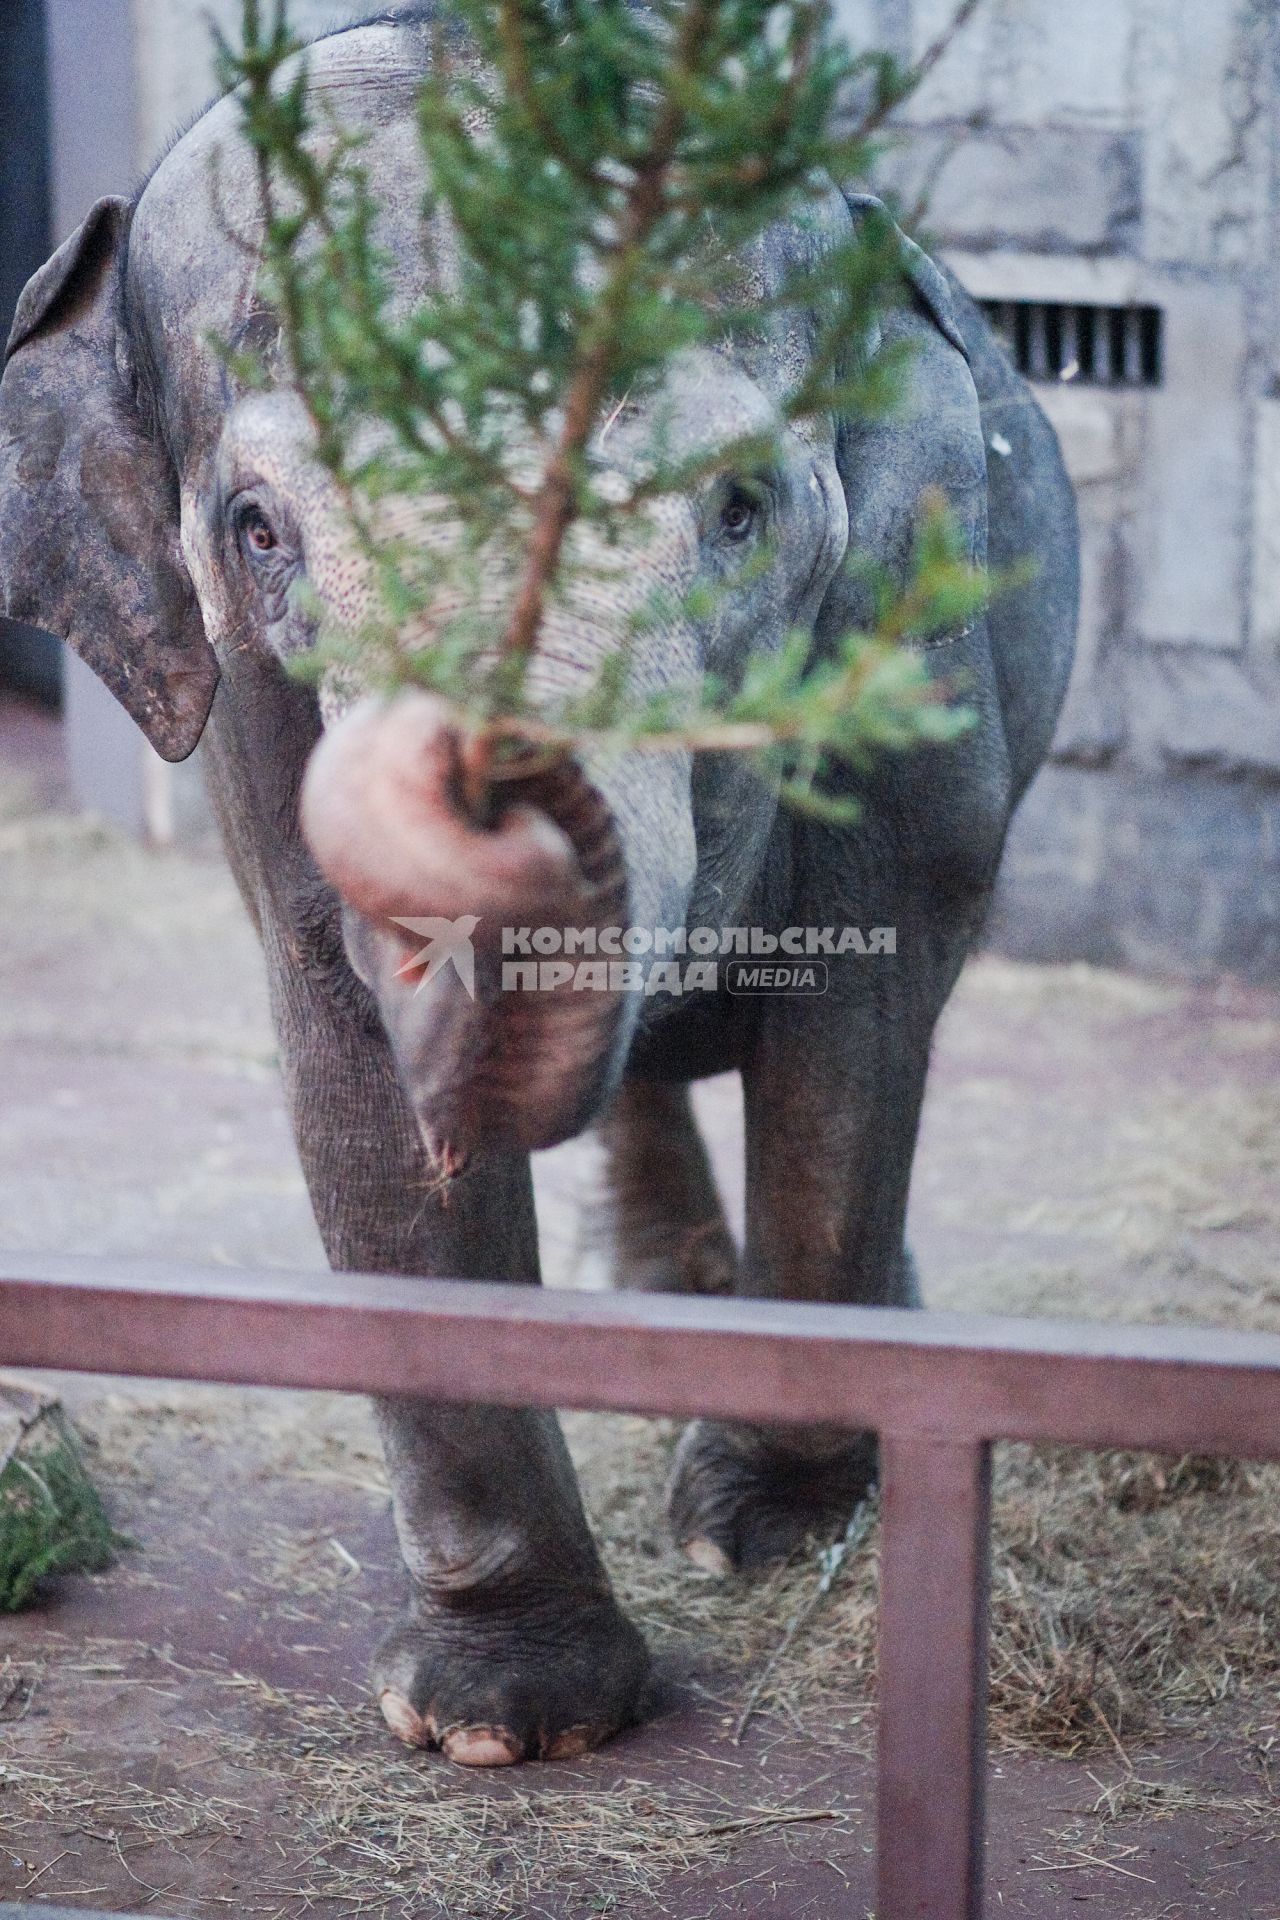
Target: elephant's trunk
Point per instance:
(383, 812)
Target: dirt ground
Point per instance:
(192, 1729)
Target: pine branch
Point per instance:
(556, 508)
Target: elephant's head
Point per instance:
(162, 519)
(562, 845)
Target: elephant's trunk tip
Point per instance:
(382, 812)
(515, 1066)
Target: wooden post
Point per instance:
(934, 1580)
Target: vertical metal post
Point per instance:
(1133, 347)
(1069, 365)
(934, 1582)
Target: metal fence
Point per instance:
(937, 1388)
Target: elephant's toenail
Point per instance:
(569, 1744)
(404, 1721)
(707, 1556)
(482, 1747)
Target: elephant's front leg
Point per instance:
(512, 1645)
(832, 1091)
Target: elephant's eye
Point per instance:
(256, 531)
(739, 514)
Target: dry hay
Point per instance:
(375, 1827)
(1130, 1595)
(1101, 1837)
(383, 1827)
(1209, 1165)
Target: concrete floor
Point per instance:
(1093, 1144)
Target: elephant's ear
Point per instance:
(930, 443)
(926, 280)
(89, 536)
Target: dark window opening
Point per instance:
(1098, 346)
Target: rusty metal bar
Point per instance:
(951, 1376)
(935, 1517)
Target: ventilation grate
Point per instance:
(1098, 346)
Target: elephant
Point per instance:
(156, 512)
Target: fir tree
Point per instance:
(601, 164)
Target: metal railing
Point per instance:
(938, 1389)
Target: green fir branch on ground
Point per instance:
(52, 1520)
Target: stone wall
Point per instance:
(1108, 152)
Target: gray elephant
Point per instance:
(156, 516)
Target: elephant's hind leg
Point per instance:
(657, 1225)
(833, 1091)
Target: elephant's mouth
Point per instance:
(489, 1055)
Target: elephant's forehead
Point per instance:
(193, 256)
(197, 229)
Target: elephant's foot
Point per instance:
(738, 1505)
(700, 1258)
(657, 1226)
(491, 1692)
